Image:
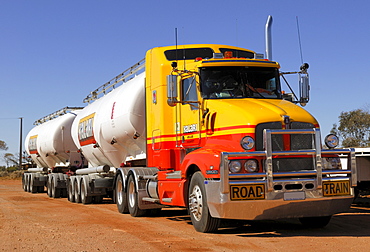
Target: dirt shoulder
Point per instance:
(35, 222)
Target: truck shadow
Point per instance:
(353, 223)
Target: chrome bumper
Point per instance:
(286, 194)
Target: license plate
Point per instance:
(294, 196)
(336, 188)
(247, 192)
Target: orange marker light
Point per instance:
(228, 54)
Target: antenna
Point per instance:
(299, 40)
(236, 31)
(176, 42)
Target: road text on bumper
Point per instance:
(247, 192)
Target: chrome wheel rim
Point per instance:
(131, 195)
(196, 203)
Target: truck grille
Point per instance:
(277, 140)
(297, 142)
(302, 142)
(292, 164)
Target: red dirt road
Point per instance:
(35, 222)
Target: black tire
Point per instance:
(71, 193)
(315, 222)
(48, 186)
(132, 199)
(55, 192)
(33, 188)
(28, 182)
(77, 192)
(120, 196)
(24, 182)
(198, 208)
(85, 199)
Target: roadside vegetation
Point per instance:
(11, 170)
(354, 128)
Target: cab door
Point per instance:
(188, 121)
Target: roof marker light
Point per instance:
(228, 54)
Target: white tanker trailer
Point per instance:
(51, 147)
(110, 132)
(106, 134)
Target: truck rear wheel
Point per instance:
(121, 197)
(198, 208)
(315, 222)
(132, 198)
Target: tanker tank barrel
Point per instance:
(34, 170)
(99, 169)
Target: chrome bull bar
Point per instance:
(268, 154)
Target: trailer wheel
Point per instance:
(71, 196)
(55, 192)
(24, 184)
(33, 188)
(27, 182)
(77, 192)
(85, 199)
(198, 208)
(315, 222)
(121, 197)
(48, 186)
(132, 198)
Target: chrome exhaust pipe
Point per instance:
(268, 38)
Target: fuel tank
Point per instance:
(111, 130)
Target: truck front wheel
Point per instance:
(198, 208)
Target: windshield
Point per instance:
(240, 82)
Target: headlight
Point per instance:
(247, 143)
(331, 141)
(234, 166)
(251, 165)
(331, 163)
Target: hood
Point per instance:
(231, 112)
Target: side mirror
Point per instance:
(304, 88)
(172, 93)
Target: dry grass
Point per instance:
(11, 175)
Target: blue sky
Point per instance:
(53, 53)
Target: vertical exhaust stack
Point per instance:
(268, 38)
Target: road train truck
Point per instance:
(206, 127)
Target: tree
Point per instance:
(354, 128)
(3, 145)
(10, 159)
